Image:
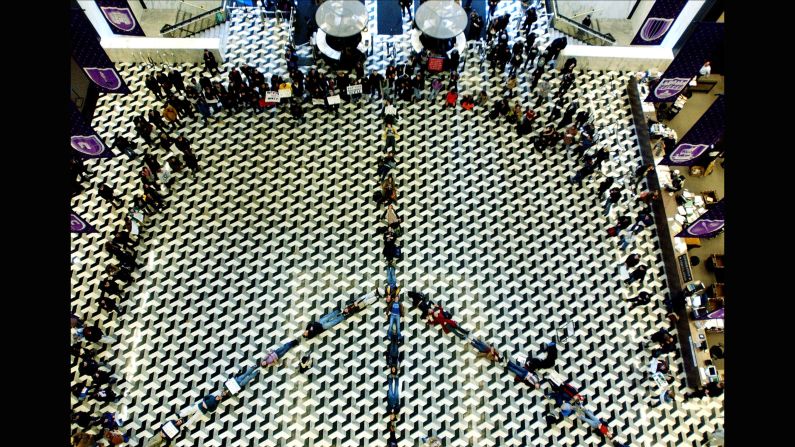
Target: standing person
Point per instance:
(125, 146)
(436, 85)
(156, 119)
(106, 192)
(191, 161)
(405, 6)
(126, 258)
(475, 26)
(452, 97)
(273, 356)
(175, 76)
(641, 172)
(713, 389)
(614, 195)
(170, 114)
(152, 84)
(375, 81)
(642, 299)
(390, 137)
(210, 64)
(305, 364)
(638, 274)
(493, 7)
(530, 18)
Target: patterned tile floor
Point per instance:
(278, 228)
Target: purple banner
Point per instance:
(661, 16)
(83, 139)
(700, 138)
(78, 225)
(700, 47)
(91, 57)
(717, 314)
(708, 224)
(120, 17)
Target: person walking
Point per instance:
(106, 192)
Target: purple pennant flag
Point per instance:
(706, 132)
(120, 17)
(700, 47)
(661, 16)
(708, 225)
(84, 139)
(78, 225)
(90, 55)
(716, 314)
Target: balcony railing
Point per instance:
(575, 29)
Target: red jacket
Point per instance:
(438, 318)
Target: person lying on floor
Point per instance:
(551, 350)
(523, 375)
(421, 301)
(487, 350)
(439, 316)
(273, 356)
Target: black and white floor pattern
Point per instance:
(278, 228)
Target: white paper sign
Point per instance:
(390, 110)
(285, 93)
(232, 386)
(272, 97)
(334, 99)
(355, 89)
(318, 102)
(170, 430)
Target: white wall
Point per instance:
(685, 17)
(605, 9)
(634, 58)
(161, 49)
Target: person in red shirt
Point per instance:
(437, 316)
(452, 97)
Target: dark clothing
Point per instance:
(632, 260)
(313, 329)
(643, 298)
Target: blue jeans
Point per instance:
(391, 279)
(246, 377)
(624, 243)
(480, 346)
(331, 319)
(394, 326)
(608, 205)
(393, 394)
(516, 369)
(588, 417)
(284, 348)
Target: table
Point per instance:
(692, 242)
(323, 46)
(341, 18)
(441, 19)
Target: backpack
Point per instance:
(612, 231)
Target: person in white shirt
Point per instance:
(706, 69)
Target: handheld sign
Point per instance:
(355, 89)
(272, 97)
(334, 100)
(390, 110)
(232, 386)
(318, 102)
(170, 430)
(285, 93)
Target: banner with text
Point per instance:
(78, 225)
(699, 48)
(120, 17)
(91, 57)
(659, 20)
(83, 138)
(698, 140)
(708, 224)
